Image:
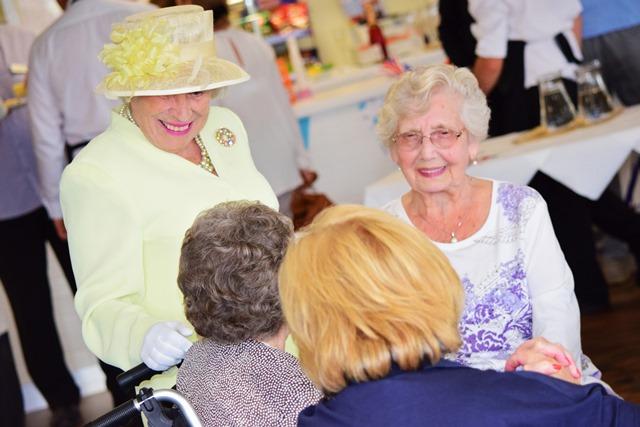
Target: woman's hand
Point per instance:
(544, 357)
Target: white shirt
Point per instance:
(517, 282)
(18, 178)
(263, 105)
(64, 71)
(533, 21)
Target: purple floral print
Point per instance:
(497, 316)
(511, 196)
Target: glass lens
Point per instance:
(442, 138)
(409, 140)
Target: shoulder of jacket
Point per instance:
(222, 114)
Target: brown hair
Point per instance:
(228, 271)
(360, 290)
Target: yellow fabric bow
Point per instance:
(140, 55)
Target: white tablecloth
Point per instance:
(584, 160)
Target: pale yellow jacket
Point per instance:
(126, 206)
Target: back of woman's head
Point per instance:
(229, 270)
(360, 290)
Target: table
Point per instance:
(585, 159)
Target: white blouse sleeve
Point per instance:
(556, 315)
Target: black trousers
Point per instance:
(23, 271)
(11, 405)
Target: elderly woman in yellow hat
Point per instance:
(131, 194)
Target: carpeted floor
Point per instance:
(612, 340)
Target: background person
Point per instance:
(497, 235)
(65, 111)
(263, 105)
(24, 230)
(129, 196)
(373, 305)
(239, 373)
(518, 43)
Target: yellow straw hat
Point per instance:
(165, 52)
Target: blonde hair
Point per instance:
(360, 290)
(411, 94)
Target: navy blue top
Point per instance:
(449, 394)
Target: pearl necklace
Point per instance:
(205, 160)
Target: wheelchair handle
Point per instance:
(120, 415)
(135, 376)
(127, 410)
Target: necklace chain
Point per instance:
(205, 160)
(453, 238)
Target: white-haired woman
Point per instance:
(497, 235)
(131, 194)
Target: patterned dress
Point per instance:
(516, 280)
(245, 384)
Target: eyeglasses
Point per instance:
(440, 138)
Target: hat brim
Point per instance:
(217, 73)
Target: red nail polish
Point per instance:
(557, 367)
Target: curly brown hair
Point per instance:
(228, 271)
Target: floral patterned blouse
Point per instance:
(516, 280)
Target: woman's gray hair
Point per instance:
(229, 269)
(410, 96)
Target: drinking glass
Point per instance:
(594, 100)
(556, 109)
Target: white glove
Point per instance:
(165, 345)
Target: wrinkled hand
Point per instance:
(544, 357)
(61, 230)
(165, 345)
